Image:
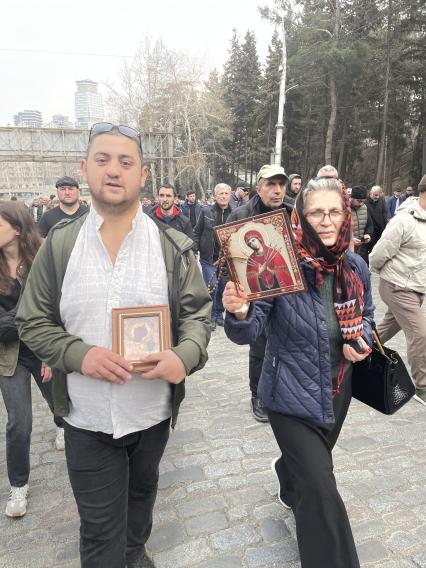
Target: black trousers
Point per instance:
(115, 486)
(256, 357)
(307, 481)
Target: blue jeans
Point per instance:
(209, 275)
(16, 391)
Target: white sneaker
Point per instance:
(17, 503)
(275, 469)
(60, 440)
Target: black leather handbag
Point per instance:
(382, 380)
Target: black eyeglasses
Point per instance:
(102, 127)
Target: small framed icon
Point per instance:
(140, 331)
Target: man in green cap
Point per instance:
(271, 188)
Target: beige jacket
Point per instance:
(400, 255)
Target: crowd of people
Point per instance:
(56, 300)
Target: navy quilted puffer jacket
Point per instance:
(295, 376)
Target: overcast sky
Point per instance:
(46, 81)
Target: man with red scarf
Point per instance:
(266, 268)
(168, 213)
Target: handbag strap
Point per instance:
(377, 340)
(375, 335)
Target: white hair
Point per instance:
(220, 186)
(328, 171)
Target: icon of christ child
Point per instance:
(266, 268)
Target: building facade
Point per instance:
(28, 119)
(89, 107)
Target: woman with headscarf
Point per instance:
(314, 337)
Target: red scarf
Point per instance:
(348, 287)
(175, 211)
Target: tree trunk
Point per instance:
(333, 93)
(200, 184)
(281, 103)
(154, 179)
(380, 163)
(424, 150)
(307, 144)
(331, 122)
(342, 147)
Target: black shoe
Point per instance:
(213, 325)
(220, 321)
(258, 410)
(141, 561)
(275, 466)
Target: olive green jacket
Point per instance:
(39, 322)
(9, 352)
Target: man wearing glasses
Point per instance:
(117, 420)
(69, 205)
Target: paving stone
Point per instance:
(183, 555)
(180, 437)
(227, 454)
(187, 461)
(372, 551)
(222, 469)
(369, 529)
(206, 524)
(273, 530)
(202, 487)
(420, 560)
(222, 562)
(166, 536)
(179, 476)
(200, 506)
(402, 540)
(235, 537)
(275, 554)
(67, 552)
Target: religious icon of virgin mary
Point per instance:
(266, 268)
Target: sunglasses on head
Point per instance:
(104, 127)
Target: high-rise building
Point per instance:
(60, 121)
(28, 119)
(89, 107)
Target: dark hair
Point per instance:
(190, 191)
(168, 186)
(18, 216)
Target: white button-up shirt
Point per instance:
(92, 286)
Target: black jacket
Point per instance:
(254, 207)
(377, 210)
(178, 222)
(205, 242)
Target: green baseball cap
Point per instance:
(268, 171)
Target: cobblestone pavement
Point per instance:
(217, 504)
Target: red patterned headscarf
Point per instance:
(348, 287)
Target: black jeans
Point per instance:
(256, 357)
(323, 531)
(115, 485)
(16, 392)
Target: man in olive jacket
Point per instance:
(117, 420)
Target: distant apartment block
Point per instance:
(89, 107)
(28, 119)
(60, 121)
